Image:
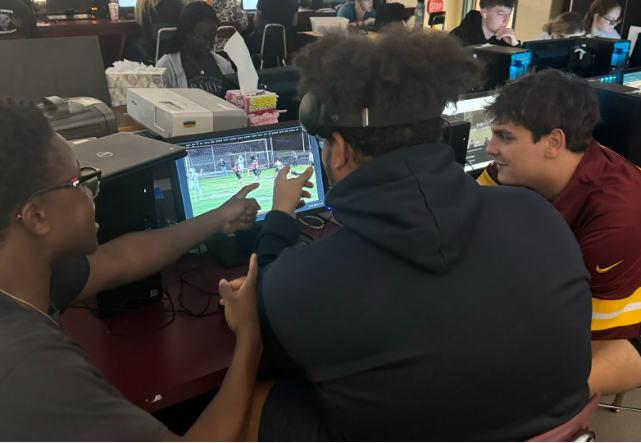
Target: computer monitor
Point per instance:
(250, 5)
(250, 155)
(69, 6)
(553, 54)
(632, 78)
(127, 4)
(471, 108)
(282, 81)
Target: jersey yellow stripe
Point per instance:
(608, 314)
(485, 179)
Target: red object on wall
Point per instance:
(434, 6)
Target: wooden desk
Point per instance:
(162, 367)
(111, 33)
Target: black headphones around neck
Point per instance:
(317, 119)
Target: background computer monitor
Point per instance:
(127, 4)
(553, 54)
(282, 81)
(620, 127)
(268, 144)
(63, 6)
(471, 108)
(66, 67)
(631, 78)
(249, 5)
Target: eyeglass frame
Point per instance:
(73, 183)
(611, 22)
(207, 41)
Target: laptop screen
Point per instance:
(216, 168)
(127, 3)
(471, 108)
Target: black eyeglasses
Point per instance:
(203, 40)
(89, 181)
(611, 22)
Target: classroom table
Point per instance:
(163, 366)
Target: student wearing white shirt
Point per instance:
(602, 18)
(566, 25)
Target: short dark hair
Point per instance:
(193, 14)
(400, 71)
(489, 4)
(25, 143)
(550, 100)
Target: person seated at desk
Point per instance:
(151, 12)
(229, 11)
(50, 259)
(421, 318)
(358, 12)
(489, 25)
(566, 25)
(17, 21)
(543, 141)
(282, 12)
(602, 18)
(191, 62)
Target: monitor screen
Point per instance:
(632, 79)
(620, 55)
(471, 108)
(127, 3)
(250, 4)
(216, 168)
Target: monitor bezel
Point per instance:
(175, 180)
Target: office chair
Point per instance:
(280, 55)
(162, 32)
(575, 430)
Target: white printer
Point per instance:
(179, 112)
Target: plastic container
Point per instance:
(324, 24)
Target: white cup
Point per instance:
(114, 11)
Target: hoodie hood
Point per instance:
(416, 202)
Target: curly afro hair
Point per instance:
(399, 71)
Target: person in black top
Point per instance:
(419, 319)
(283, 12)
(17, 21)
(152, 12)
(50, 259)
(489, 25)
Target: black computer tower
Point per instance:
(126, 204)
(601, 56)
(620, 129)
(502, 64)
(456, 134)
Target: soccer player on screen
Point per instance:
(239, 173)
(255, 170)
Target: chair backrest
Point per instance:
(227, 29)
(165, 28)
(575, 429)
(163, 34)
(275, 31)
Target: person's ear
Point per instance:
(556, 143)
(34, 218)
(484, 12)
(341, 152)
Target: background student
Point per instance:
(191, 62)
(489, 25)
(566, 25)
(602, 18)
(358, 12)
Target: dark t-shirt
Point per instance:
(212, 79)
(166, 12)
(277, 11)
(49, 390)
(17, 20)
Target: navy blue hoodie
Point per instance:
(441, 311)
